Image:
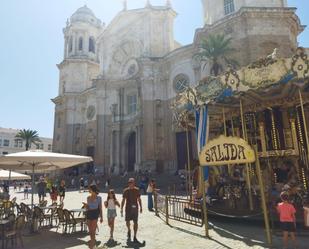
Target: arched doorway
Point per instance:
(131, 152)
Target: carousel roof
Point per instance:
(267, 82)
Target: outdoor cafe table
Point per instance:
(78, 210)
(3, 223)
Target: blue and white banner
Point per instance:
(202, 131)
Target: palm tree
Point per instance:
(31, 137)
(215, 49)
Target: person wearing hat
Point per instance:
(132, 201)
(41, 189)
(94, 211)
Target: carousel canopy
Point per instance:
(267, 82)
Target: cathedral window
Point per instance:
(91, 45)
(229, 6)
(181, 82)
(132, 104)
(80, 44)
(70, 44)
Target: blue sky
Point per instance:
(32, 45)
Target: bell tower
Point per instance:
(214, 10)
(80, 66)
(80, 51)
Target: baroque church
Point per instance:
(117, 81)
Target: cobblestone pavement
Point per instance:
(157, 235)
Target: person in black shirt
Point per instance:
(62, 191)
(282, 174)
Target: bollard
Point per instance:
(155, 195)
(166, 209)
(175, 190)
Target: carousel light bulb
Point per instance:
(299, 130)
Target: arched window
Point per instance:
(229, 6)
(91, 45)
(180, 83)
(70, 44)
(80, 44)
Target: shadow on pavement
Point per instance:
(52, 240)
(131, 244)
(251, 234)
(111, 243)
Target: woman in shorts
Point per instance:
(94, 211)
(111, 204)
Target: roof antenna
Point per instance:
(125, 6)
(148, 4)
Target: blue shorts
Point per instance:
(111, 213)
(288, 226)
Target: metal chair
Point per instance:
(41, 217)
(16, 232)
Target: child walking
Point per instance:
(111, 204)
(287, 219)
(54, 194)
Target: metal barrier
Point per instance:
(179, 209)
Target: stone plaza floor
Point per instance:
(154, 231)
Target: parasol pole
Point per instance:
(189, 163)
(248, 180)
(225, 134)
(10, 173)
(304, 121)
(201, 174)
(32, 187)
(263, 198)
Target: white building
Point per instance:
(10, 144)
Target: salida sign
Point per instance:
(226, 150)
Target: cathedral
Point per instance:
(117, 81)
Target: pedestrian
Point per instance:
(62, 191)
(94, 211)
(287, 219)
(73, 183)
(150, 190)
(41, 189)
(53, 194)
(306, 213)
(26, 191)
(131, 199)
(111, 204)
(86, 183)
(81, 184)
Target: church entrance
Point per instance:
(181, 145)
(131, 152)
(90, 166)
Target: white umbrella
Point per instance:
(6, 175)
(38, 160)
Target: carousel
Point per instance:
(266, 104)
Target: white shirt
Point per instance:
(111, 204)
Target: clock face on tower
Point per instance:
(90, 112)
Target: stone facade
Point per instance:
(114, 100)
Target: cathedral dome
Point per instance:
(84, 14)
